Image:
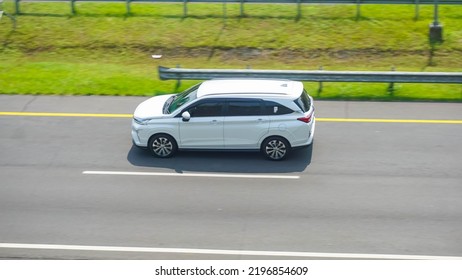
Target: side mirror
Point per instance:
(186, 116)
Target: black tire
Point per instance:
(275, 148)
(162, 146)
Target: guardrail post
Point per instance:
(178, 81)
(321, 86)
(358, 9)
(391, 86)
(417, 9)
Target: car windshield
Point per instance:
(180, 99)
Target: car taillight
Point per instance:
(305, 119)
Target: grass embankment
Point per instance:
(102, 51)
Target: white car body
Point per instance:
(227, 114)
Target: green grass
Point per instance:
(102, 51)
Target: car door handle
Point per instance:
(214, 122)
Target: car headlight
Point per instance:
(141, 121)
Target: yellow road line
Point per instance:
(84, 115)
(388, 121)
(353, 120)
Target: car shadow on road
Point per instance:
(225, 162)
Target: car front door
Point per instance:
(204, 128)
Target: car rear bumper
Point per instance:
(306, 141)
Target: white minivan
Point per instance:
(271, 116)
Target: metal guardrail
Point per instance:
(320, 76)
(313, 76)
(358, 3)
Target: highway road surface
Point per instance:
(382, 180)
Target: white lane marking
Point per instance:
(206, 175)
(222, 252)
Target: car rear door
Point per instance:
(244, 124)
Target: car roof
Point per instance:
(250, 87)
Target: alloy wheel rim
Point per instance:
(162, 147)
(276, 149)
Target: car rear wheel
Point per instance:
(275, 148)
(162, 146)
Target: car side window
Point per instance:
(207, 109)
(273, 108)
(244, 108)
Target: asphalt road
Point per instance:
(365, 187)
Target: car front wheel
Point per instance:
(162, 146)
(275, 148)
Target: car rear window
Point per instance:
(273, 108)
(303, 101)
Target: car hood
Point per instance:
(151, 108)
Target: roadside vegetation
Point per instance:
(102, 51)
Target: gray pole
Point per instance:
(224, 10)
(242, 8)
(128, 7)
(185, 8)
(436, 29)
(17, 9)
(435, 14)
